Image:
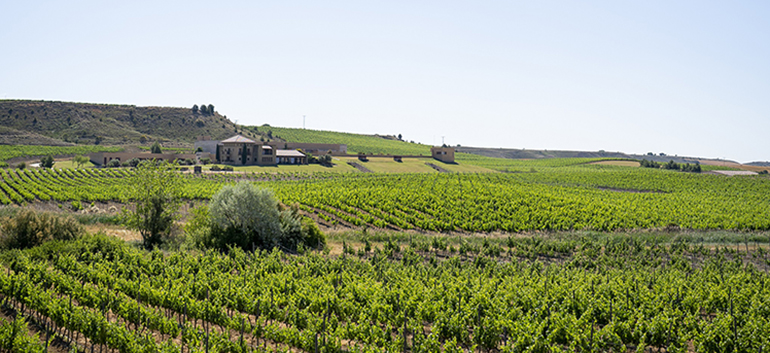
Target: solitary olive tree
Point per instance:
(250, 217)
(245, 215)
(156, 189)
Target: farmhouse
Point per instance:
(239, 150)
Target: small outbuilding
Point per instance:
(444, 154)
(290, 157)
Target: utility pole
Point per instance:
(442, 141)
(303, 122)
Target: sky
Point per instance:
(687, 78)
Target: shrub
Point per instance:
(133, 162)
(325, 160)
(21, 165)
(205, 161)
(215, 168)
(228, 168)
(28, 229)
(189, 161)
(763, 172)
(47, 162)
(3, 164)
(671, 165)
(246, 216)
(649, 164)
(155, 148)
(691, 168)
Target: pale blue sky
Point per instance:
(680, 77)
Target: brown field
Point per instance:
(752, 168)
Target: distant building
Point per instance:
(239, 150)
(290, 157)
(444, 154)
(102, 158)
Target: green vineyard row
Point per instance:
(598, 296)
(568, 198)
(13, 151)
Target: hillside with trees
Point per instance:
(65, 123)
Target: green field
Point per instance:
(356, 143)
(591, 197)
(547, 255)
(69, 164)
(582, 292)
(8, 152)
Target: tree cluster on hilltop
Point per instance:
(203, 109)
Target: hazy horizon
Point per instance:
(687, 78)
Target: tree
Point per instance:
(244, 154)
(46, 162)
(204, 109)
(113, 163)
(195, 109)
(156, 148)
(81, 160)
(134, 162)
(247, 216)
(156, 189)
(325, 160)
(244, 215)
(211, 109)
(399, 137)
(671, 165)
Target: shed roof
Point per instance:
(238, 139)
(289, 153)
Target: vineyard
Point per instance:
(424, 295)
(356, 143)
(13, 151)
(583, 197)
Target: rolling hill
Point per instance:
(357, 143)
(65, 123)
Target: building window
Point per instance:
(267, 151)
(267, 159)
